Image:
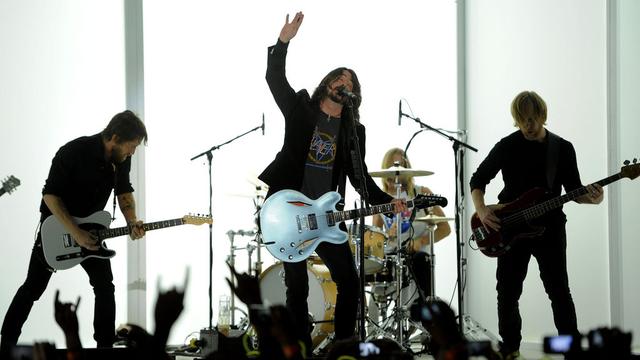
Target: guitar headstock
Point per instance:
(423, 201)
(10, 183)
(630, 171)
(197, 219)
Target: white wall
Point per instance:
(61, 76)
(558, 49)
(627, 77)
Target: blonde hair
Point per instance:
(387, 162)
(524, 98)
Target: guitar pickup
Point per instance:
(313, 222)
(67, 241)
(330, 220)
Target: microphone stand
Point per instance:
(458, 153)
(209, 154)
(358, 171)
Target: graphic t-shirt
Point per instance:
(318, 171)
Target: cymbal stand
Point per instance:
(231, 260)
(431, 228)
(399, 315)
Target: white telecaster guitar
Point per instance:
(62, 252)
(293, 225)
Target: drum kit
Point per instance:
(388, 280)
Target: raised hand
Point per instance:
(66, 317)
(65, 314)
(169, 306)
(248, 289)
(290, 29)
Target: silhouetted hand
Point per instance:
(169, 306)
(248, 288)
(43, 351)
(66, 317)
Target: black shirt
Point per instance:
(524, 166)
(83, 179)
(318, 172)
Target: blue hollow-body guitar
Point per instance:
(293, 225)
(61, 251)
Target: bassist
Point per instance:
(531, 157)
(82, 175)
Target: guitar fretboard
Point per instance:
(544, 207)
(126, 230)
(340, 216)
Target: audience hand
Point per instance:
(169, 306)
(248, 289)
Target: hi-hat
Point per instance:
(400, 171)
(433, 219)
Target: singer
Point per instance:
(315, 159)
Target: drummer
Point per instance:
(415, 232)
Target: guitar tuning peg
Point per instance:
(635, 160)
(626, 162)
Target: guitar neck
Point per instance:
(340, 216)
(125, 230)
(544, 207)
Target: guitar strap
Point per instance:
(553, 144)
(342, 183)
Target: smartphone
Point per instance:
(561, 344)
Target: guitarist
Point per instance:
(315, 159)
(528, 158)
(82, 175)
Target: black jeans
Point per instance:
(339, 261)
(38, 275)
(550, 251)
(421, 272)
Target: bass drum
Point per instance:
(321, 301)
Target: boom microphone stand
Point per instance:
(358, 170)
(209, 154)
(458, 153)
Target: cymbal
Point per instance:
(433, 219)
(257, 183)
(401, 171)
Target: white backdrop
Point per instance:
(61, 77)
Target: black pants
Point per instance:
(38, 275)
(550, 251)
(421, 272)
(339, 261)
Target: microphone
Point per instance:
(262, 127)
(346, 93)
(400, 113)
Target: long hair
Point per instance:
(528, 97)
(321, 91)
(387, 162)
(127, 126)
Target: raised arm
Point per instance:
(281, 90)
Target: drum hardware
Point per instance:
(321, 299)
(397, 171)
(398, 325)
(231, 260)
(432, 222)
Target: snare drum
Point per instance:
(321, 300)
(374, 242)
